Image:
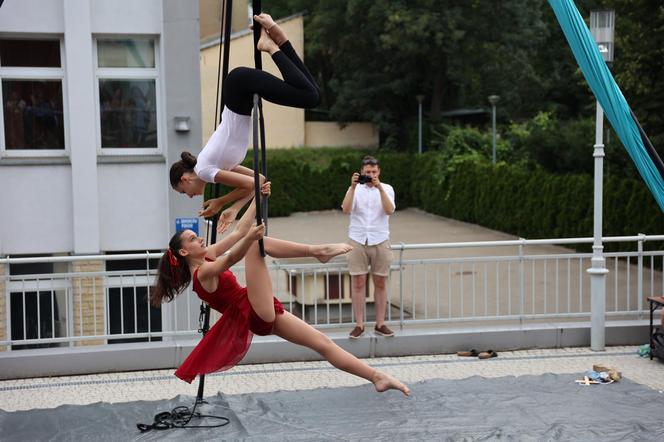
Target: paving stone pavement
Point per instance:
(26, 394)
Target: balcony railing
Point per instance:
(488, 281)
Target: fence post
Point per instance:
(522, 289)
(5, 307)
(401, 245)
(639, 279)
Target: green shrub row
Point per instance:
(306, 179)
(518, 199)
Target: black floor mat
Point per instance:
(537, 408)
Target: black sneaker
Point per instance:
(383, 331)
(356, 332)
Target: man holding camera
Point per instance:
(370, 204)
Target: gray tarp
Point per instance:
(538, 408)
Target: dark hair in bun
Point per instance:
(186, 164)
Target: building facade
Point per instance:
(91, 93)
(98, 97)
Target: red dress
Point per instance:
(226, 343)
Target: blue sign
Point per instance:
(186, 224)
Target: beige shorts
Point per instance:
(379, 257)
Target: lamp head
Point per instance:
(602, 26)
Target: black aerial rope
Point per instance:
(652, 153)
(180, 417)
(227, 17)
(259, 127)
(222, 72)
(257, 184)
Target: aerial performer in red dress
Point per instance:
(247, 310)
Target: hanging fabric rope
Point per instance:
(610, 97)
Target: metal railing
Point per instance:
(489, 281)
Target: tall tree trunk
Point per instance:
(439, 88)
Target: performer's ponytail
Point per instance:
(173, 274)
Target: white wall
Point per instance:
(38, 16)
(36, 209)
(133, 207)
(331, 134)
(126, 16)
(84, 203)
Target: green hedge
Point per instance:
(521, 200)
(308, 179)
(534, 203)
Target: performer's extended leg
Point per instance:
(295, 90)
(279, 248)
(259, 284)
(295, 330)
(278, 35)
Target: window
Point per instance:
(32, 100)
(37, 304)
(129, 309)
(127, 79)
(334, 286)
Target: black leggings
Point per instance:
(297, 89)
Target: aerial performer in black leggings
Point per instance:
(219, 161)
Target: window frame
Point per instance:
(128, 74)
(36, 73)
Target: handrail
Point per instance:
(399, 247)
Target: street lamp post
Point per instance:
(493, 99)
(602, 29)
(420, 98)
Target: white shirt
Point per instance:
(369, 224)
(227, 146)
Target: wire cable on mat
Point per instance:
(180, 417)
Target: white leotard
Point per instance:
(227, 146)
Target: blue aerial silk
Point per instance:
(608, 94)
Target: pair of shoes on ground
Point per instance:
(382, 331)
(480, 354)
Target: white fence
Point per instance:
(103, 299)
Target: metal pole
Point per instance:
(598, 269)
(493, 127)
(401, 318)
(522, 283)
(639, 281)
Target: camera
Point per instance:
(363, 179)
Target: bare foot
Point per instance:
(383, 382)
(266, 44)
(273, 29)
(325, 252)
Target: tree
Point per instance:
(372, 57)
